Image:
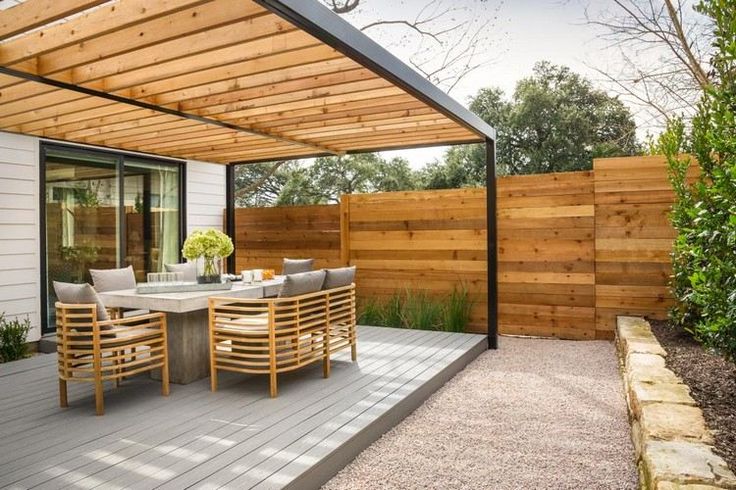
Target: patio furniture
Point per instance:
(295, 266)
(277, 335)
(187, 322)
(94, 350)
(188, 270)
(113, 280)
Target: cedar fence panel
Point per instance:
(546, 255)
(264, 236)
(574, 249)
(423, 240)
(633, 239)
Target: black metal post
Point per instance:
(230, 213)
(492, 257)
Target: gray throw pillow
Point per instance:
(302, 283)
(80, 294)
(295, 266)
(113, 279)
(188, 270)
(336, 278)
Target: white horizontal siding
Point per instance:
(205, 195)
(20, 288)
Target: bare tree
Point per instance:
(659, 56)
(445, 39)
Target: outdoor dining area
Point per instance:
(193, 321)
(129, 120)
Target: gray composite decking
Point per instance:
(237, 437)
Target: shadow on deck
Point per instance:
(237, 437)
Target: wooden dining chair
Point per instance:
(94, 351)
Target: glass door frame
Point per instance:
(122, 226)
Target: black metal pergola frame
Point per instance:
(320, 22)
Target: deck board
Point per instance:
(237, 437)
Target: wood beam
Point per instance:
(98, 22)
(166, 110)
(35, 13)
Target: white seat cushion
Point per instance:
(252, 323)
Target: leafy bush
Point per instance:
(457, 310)
(420, 311)
(704, 215)
(13, 335)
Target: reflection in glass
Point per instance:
(151, 215)
(85, 228)
(82, 196)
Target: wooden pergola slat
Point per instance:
(223, 79)
(34, 13)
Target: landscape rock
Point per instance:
(643, 346)
(672, 442)
(646, 374)
(668, 485)
(642, 393)
(685, 463)
(672, 422)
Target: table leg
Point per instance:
(189, 358)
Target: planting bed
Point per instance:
(712, 381)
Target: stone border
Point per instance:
(672, 443)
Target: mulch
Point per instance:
(712, 382)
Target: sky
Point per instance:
(524, 32)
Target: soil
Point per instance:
(712, 382)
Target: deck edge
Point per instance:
(329, 466)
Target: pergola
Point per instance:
(226, 81)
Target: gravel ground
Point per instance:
(712, 382)
(534, 414)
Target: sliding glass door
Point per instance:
(105, 210)
(152, 202)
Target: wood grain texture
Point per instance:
(265, 236)
(260, 87)
(633, 239)
(546, 255)
(574, 249)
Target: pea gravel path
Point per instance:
(534, 414)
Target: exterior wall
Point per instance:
(19, 230)
(20, 247)
(205, 195)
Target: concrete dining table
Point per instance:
(187, 321)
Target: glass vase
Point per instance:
(209, 270)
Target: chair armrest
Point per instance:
(132, 320)
(233, 299)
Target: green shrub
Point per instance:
(421, 311)
(704, 214)
(13, 335)
(457, 310)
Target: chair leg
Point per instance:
(354, 352)
(273, 385)
(63, 401)
(116, 354)
(213, 380)
(326, 355)
(99, 398)
(165, 376)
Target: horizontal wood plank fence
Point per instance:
(264, 236)
(574, 249)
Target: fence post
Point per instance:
(345, 229)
